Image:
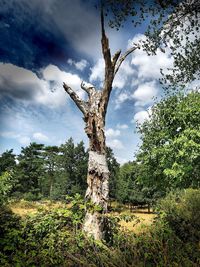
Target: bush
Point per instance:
(29, 196)
(10, 231)
(181, 210)
(6, 185)
(54, 238)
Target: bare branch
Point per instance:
(82, 105)
(105, 43)
(123, 57)
(87, 89)
(115, 57)
(109, 66)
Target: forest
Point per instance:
(74, 204)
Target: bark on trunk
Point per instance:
(98, 173)
(94, 111)
(97, 193)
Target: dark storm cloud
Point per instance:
(37, 33)
(16, 91)
(11, 89)
(28, 38)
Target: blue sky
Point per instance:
(46, 42)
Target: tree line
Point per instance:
(168, 159)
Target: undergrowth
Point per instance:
(54, 238)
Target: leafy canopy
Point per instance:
(170, 152)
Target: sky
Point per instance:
(47, 42)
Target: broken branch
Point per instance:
(82, 105)
(87, 89)
(115, 57)
(105, 43)
(123, 57)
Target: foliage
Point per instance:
(113, 167)
(73, 160)
(29, 169)
(181, 211)
(6, 184)
(7, 161)
(131, 190)
(169, 154)
(173, 25)
(52, 238)
(52, 171)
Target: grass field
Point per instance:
(139, 224)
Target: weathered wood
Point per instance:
(94, 111)
(123, 57)
(80, 103)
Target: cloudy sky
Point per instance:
(46, 42)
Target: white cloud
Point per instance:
(112, 133)
(80, 65)
(115, 144)
(121, 98)
(97, 71)
(53, 73)
(144, 93)
(40, 137)
(24, 85)
(22, 139)
(140, 117)
(148, 67)
(122, 126)
(122, 76)
(121, 160)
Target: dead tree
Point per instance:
(94, 113)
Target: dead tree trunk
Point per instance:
(94, 111)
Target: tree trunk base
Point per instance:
(93, 225)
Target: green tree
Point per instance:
(51, 166)
(7, 161)
(113, 167)
(6, 185)
(170, 150)
(80, 170)
(131, 190)
(30, 169)
(73, 160)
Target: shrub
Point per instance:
(6, 185)
(30, 196)
(181, 210)
(54, 238)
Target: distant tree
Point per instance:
(131, 190)
(30, 169)
(51, 165)
(7, 183)
(73, 160)
(113, 167)
(172, 24)
(126, 178)
(81, 161)
(170, 152)
(7, 161)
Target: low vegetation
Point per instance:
(52, 236)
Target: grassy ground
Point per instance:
(139, 224)
(142, 222)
